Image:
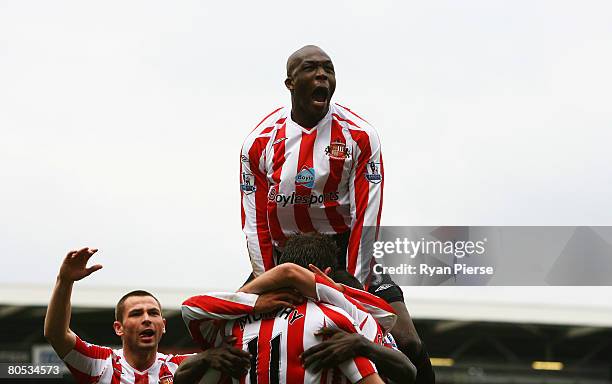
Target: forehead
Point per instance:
(137, 302)
(315, 55)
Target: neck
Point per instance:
(304, 119)
(140, 359)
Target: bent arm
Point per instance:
(287, 275)
(57, 320)
(391, 363)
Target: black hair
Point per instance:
(310, 248)
(119, 308)
(343, 276)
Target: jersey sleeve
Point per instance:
(366, 182)
(204, 314)
(367, 324)
(362, 314)
(359, 367)
(87, 362)
(254, 188)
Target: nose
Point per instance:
(145, 319)
(321, 74)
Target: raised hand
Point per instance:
(74, 267)
(324, 275)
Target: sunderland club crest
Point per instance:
(338, 150)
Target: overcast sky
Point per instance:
(121, 122)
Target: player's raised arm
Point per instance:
(57, 321)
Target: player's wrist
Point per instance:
(64, 281)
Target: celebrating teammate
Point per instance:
(138, 322)
(348, 318)
(317, 166)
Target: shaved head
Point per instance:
(298, 56)
(311, 79)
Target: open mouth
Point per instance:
(147, 333)
(320, 94)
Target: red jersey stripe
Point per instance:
(361, 197)
(278, 160)
(336, 167)
(92, 351)
(305, 164)
(263, 351)
(216, 305)
(261, 201)
(295, 347)
(141, 379)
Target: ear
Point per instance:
(327, 271)
(118, 327)
(289, 83)
(164, 328)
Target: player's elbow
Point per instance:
(290, 271)
(409, 372)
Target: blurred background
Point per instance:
(121, 123)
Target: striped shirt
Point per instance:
(91, 363)
(275, 340)
(328, 178)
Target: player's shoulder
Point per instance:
(175, 359)
(270, 121)
(92, 350)
(351, 119)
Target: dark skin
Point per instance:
(312, 81)
(340, 346)
(227, 359)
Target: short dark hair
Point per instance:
(120, 307)
(310, 248)
(343, 276)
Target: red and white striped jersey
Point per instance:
(275, 340)
(374, 315)
(91, 363)
(328, 178)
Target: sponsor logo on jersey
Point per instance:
(295, 199)
(166, 379)
(248, 183)
(244, 159)
(372, 173)
(383, 287)
(338, 150)
(279, 140)
(305, 177)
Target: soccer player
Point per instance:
(139, 323)
(232, 305)
(360, 305)
(317, 166)
(274, 339)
